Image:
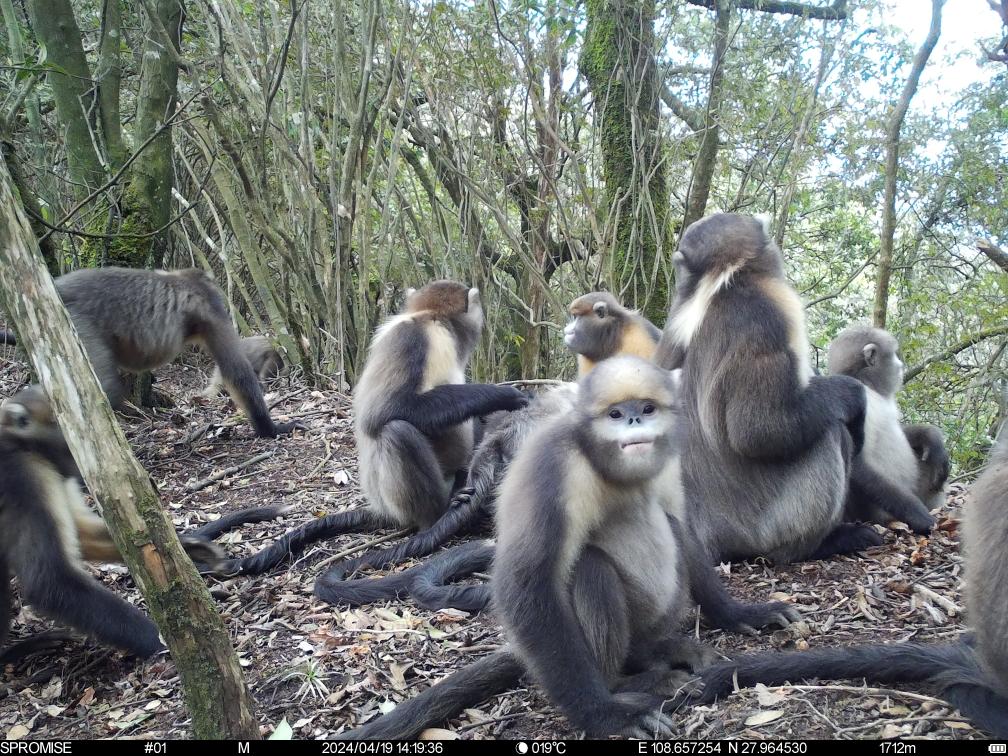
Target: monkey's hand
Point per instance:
(284, 429)
(851, 404)
(631, 715)
(512, 399)
(205, 554)
(921, 523)
(748, 619)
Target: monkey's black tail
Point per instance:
(463, 517)
(469, 686)
(295, 541)
(431, 589)
(952, 667)
(230, 521)
(6, 337)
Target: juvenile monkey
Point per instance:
(600, 327)
(588, 577)
(970, 673)
(136, 320)
(262, 356)
(412, 419)
(889, 479)
(768, 444)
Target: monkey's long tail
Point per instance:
(431, 589)
(295, 541)
(333, 587)
(7, 337)
(469, 686)
(230, 521)
(951, 666)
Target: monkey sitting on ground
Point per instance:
(412, 420)
(933, 464)
(889, 479)
(600, 327)
(262, 356)
(46, 531)
(768, 445)
(138, 320)
(590, 576)
(970, 673)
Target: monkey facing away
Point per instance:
(588, 575)
(262, 356)
(889, 478)
(137, 320)
(970, 673)
(46, 531)
(768, 444)
(412, 419)
(600, 327)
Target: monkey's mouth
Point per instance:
(639, 446)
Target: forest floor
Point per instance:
(324, 669)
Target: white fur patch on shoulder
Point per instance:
(442, 358)
(385, 328)
(689, 318)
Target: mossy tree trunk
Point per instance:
(618, 61)
(215, 692)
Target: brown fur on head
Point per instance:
(441, 299)
(869, 354)
(601, 327)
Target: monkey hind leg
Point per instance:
(985, 708)
(431, 585)
(847, 538)
(469, 686)
(405, 476)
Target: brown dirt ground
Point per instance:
(325, 669)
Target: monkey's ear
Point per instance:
(870, 352)
(474, 297)
(601, 309)
(764, 219)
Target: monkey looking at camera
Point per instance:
(889, 479)
(767, 446)
(136, 320)
(970, 673)
(412, 420)
(588, 576)
(600, 327)
(262, 356)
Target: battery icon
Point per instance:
(997, 748)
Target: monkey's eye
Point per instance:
(22, 421)
(615, 414)
(649, 409)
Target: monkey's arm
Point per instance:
(782, 420)
(872, 497)
(444, 406)
(63, 591)
(719, 607)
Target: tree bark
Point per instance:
(147, 201)
(56, 27)
(706, 159)
(215, 693)
(893, 127)
(618, 61)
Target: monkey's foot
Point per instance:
(632, 715)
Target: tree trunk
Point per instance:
(706, 159)
(893, 127)
(147, 202)
(215, 693)
(56, 27)
(618, 61)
